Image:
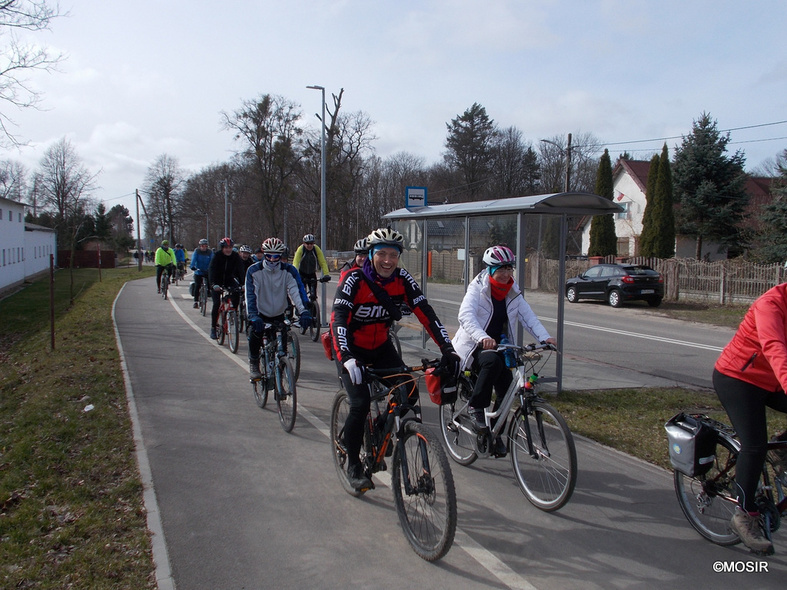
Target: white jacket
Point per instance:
(475, 314)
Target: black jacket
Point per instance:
(223, 269)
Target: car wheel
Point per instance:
(654, 301)
(614, 298)
(571, 294)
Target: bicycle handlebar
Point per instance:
(382, 373)
(528, 348)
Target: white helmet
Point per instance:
(361, 246)
(499, 256)
(385, 236)
(273, 246)
(308, 239)
(244, 248)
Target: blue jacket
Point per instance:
(200, 262)
(180, 255)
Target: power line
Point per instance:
(720, 131)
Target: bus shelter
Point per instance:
(444, 245)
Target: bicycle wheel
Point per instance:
(548, 476)
(221, 331)
(424, 493)
(314, 329)
(260, 392)
(459, 442)
(294, 353)
(395, 339)
(708, 501)
(203, 299)
(233, 334)
(339, 412)
(286, 394)
(164, 286)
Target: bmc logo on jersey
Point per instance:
(370, 312)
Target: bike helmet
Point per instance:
(273, 246)
(499, 256)
(244, 248)
(165, 242)
(385, 236)
(203, 242)
(362, 246)
(308, 239)
(225, 242)
(178, 245)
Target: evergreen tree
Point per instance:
(647, 237)
(603, 240)
(469, 147)
(664, 216)
(709, 186)
(773, 236)
(103, 227)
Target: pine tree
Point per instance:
(664, 221)
(647, 237)
(603, 240)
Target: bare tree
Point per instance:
(18, 58)
(65, 185)
(163, 183)
(13, 180)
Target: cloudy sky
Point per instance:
(148, 77)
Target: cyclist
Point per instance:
(245, 255)
(367, 302)
(180, 257)
(361, 254)
(307, 258)
(165, 259)
(750, 374)
(491, 308)
(268, 286)
(225, 271)
(200, 263)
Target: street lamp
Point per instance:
(567, 151)
(322, 190)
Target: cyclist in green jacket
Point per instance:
(165, 259)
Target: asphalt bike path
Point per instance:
(242, 504)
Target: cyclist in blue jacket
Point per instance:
(200, 263)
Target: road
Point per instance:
(241, 504)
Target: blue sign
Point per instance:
(415, 196)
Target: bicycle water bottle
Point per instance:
(508, 354)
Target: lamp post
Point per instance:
(322, 189)
(567, 151)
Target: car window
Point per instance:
(609, 271)
(593, 272)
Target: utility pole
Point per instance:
(568, 164)
(139, 254)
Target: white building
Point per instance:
(24, 247)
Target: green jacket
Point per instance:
(165, 257)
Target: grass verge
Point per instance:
(71, 511)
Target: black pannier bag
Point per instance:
(193, 289)
(692, 444)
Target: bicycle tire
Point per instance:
(339, 411)
(203, 298)
(164, 287)
(459, 444)
(294, 353)
(286, 394)
(234, 333)
(221, 333)
(395, 340)
(548, 479)
(260, 392)
(314, 328)
(708, 501)
(428, 513)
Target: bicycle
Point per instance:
(277, 375)
(314, 306)
(421, 478)
(709, 500)
(543, 454)
(228, 320)
(164, 285)
(203, 296)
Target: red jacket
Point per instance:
(360, 321)
(757, 354)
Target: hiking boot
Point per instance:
(196, 305)
(213, 335)
(778, 457)
(358, 478)
(479, 420)
(748, 528)
(499, 448)
(254, 368)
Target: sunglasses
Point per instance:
(273, 257)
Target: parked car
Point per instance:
(617, 283)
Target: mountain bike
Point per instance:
(277, 374)
(314, 306)
(228, 327)
(423, 486)
(543, 454)
(708, 501)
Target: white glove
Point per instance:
(354, 370)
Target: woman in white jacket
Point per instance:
(492, 308)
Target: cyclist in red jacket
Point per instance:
(365, 300)
(751, 373)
